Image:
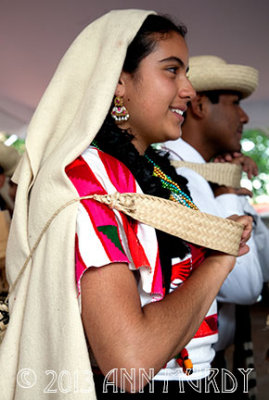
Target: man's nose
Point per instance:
(243, 116)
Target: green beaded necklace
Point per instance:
(176, 194)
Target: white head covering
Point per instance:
(45, 330)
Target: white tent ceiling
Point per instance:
(34, 35)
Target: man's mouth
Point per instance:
(240, 130)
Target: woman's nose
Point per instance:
(187, 90)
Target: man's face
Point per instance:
(225, 122)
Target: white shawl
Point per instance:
(44, 353)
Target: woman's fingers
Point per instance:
(246, 221)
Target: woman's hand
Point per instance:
(226, 260)
(246, 221)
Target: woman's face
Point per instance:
(157, 94)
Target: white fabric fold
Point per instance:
(45, 338)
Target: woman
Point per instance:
(123, 319)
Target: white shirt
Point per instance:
(244, 284)
(105, 236)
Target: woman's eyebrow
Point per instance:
(173, 58)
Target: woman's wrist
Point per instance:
(221, 260)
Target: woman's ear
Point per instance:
(121, 86)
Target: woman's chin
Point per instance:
(175, 135)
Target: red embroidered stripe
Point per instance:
(208, 327)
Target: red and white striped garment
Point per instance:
(105, 236)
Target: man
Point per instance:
(213, 126)
(9, 158)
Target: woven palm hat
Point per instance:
(213, 73)
(9, 158)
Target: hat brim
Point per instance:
(239, 78)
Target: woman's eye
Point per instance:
(172, 69)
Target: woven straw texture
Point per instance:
(222, 174)
(193, 226)
(213, 73)
(190, 225)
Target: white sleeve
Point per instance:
(231, 203)
(244, 283)
(261, 237)
(201, 192)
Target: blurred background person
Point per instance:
(213, 126)
(9, 158)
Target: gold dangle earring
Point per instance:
(119, 112)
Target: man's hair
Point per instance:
(213, 95)
(1, 170)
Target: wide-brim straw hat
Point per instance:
(9, 159)
(213, 73)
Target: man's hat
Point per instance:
(9, 158)
(213, 73)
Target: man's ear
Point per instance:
(121, 86)
(199, 106)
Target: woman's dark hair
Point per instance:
(154, 28)
(118, 143)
